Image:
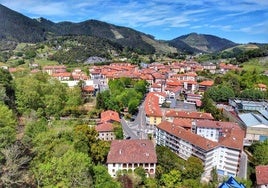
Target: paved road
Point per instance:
(136, 129)
(243, 166)
(128, 131)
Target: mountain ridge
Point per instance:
(17, 27)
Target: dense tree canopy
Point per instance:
(124, 93)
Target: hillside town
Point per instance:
(170, 116)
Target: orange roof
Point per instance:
(183, 122)
(207, 83)
(132, 151)
(104, 127)
(109, 115)
(151, 105)
(88, 88)
(187, 114)
(262, 174)
(62, 74)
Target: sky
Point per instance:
(240, 21)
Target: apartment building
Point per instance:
(217, 144)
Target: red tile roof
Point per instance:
(188, 136)
(110, 115)
(88, 88)
(232, 133)
(183, 122)
(187, 114)
(151, 105)
(262, 174)
(207, 83)
(132, 151)
(104, 127)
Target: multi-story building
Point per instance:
(130, 154)
(217, 144)
(153, 113)
(106, 131)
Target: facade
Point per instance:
(217, 144)
(130, 154)
(106, 131)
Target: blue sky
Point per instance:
(241, 21)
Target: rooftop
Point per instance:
(132, 151)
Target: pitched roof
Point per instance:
(187, 136)
(104, 127)
(232, 133)
(151, 105)
(109, 115)
(187, 114)
(207, 83)
(262, 174)
(132, 151)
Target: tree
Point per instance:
(260, 152)
(70, 170)
(167, 160)
(171, 179)
(141, 173)
(193, 168)
(99, 151)
(7, 127)
(15, 172)
(102, 178)
(118, 131)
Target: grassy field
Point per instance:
(260, 64)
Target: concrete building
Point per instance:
(217, 144)
(130, 154)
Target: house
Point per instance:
(62, 76)
(110, 116)
(205, 85)
(51, 69)
(130, 154)
(194, 98)
(156, 87)
(262, 176)
(88, 91)
(227, 67)
(222, 150)
(211, 67)
(106, 131)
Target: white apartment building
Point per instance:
(221, 149)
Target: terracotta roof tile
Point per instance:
(187, 114)
(262, 174)
(207, 83)
(132, 151)
(104, 127)
(109, 115)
